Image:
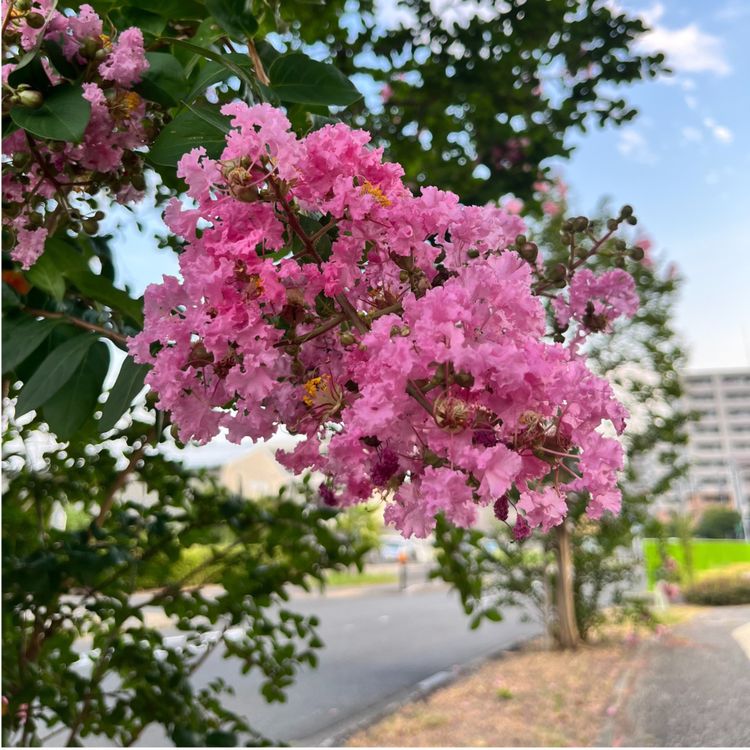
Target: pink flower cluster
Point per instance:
(397, 333)
(115, 127)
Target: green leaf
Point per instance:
(75, 267)
(209, 54)
(47, 276)
(214, 72)
(63, 116)
(59, 62)
(164, 81)
(297, 78)
(200, 126)
(128, 385)
(71, 406)
(234, 16)
(10, 297)
(53, 373)
(21, 337)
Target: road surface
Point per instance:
(693, 688)
(378, 646)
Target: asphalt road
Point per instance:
(693, 689)
(378, 646)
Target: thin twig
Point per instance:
(120, 338)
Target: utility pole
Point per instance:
(742, 502)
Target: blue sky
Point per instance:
(683, 165)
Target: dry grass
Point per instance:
(528, 698)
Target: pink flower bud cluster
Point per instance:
(398, 334)
(115, 129)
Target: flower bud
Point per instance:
(403, 276)
(30, 98)
(35, 219)
(566, 238)
(21, 159)
(521, 240)
(90, 226)
(626, 211)
(612, 224)
(581, 224)
(632, 220)
(35, 20)
(473, 253)
(89, 47)
(347, 339)
(464, 379)
(558, 273)
(529, 251)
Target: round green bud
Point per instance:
(566, 238)
(521, 240)
(35, 20)
(90, 226)
(21, 159)
(612, 224)
(473, 253)
(626, 211)
(581, 224)
(30, 98)
(636, 253)
(632, 220)
(35, 220)
(403, 276)
(347, 339)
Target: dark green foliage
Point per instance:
(719, 523)
(70, 590)
(499, 92)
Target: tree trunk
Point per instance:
(567, 626)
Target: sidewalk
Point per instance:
(691, 687)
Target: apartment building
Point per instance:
(719, 442)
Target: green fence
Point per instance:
(707, 554)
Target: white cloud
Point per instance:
(688, 48)
(634, 145)
(691, 101)
(720, 132)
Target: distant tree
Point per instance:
(718, 523)
(476, 98)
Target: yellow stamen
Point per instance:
(311, 387)
(373, 190)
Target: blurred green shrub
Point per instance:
(728, 586)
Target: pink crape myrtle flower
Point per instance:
(116, 124)
(597, 301)
(399, 335)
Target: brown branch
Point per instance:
(260, 72)
(120, 338)
(122, 477)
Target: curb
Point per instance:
(420, 691)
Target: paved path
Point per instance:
(693, 687)
(377, 647)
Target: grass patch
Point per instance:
(708, 554)
(559, 698)
(347, 578)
